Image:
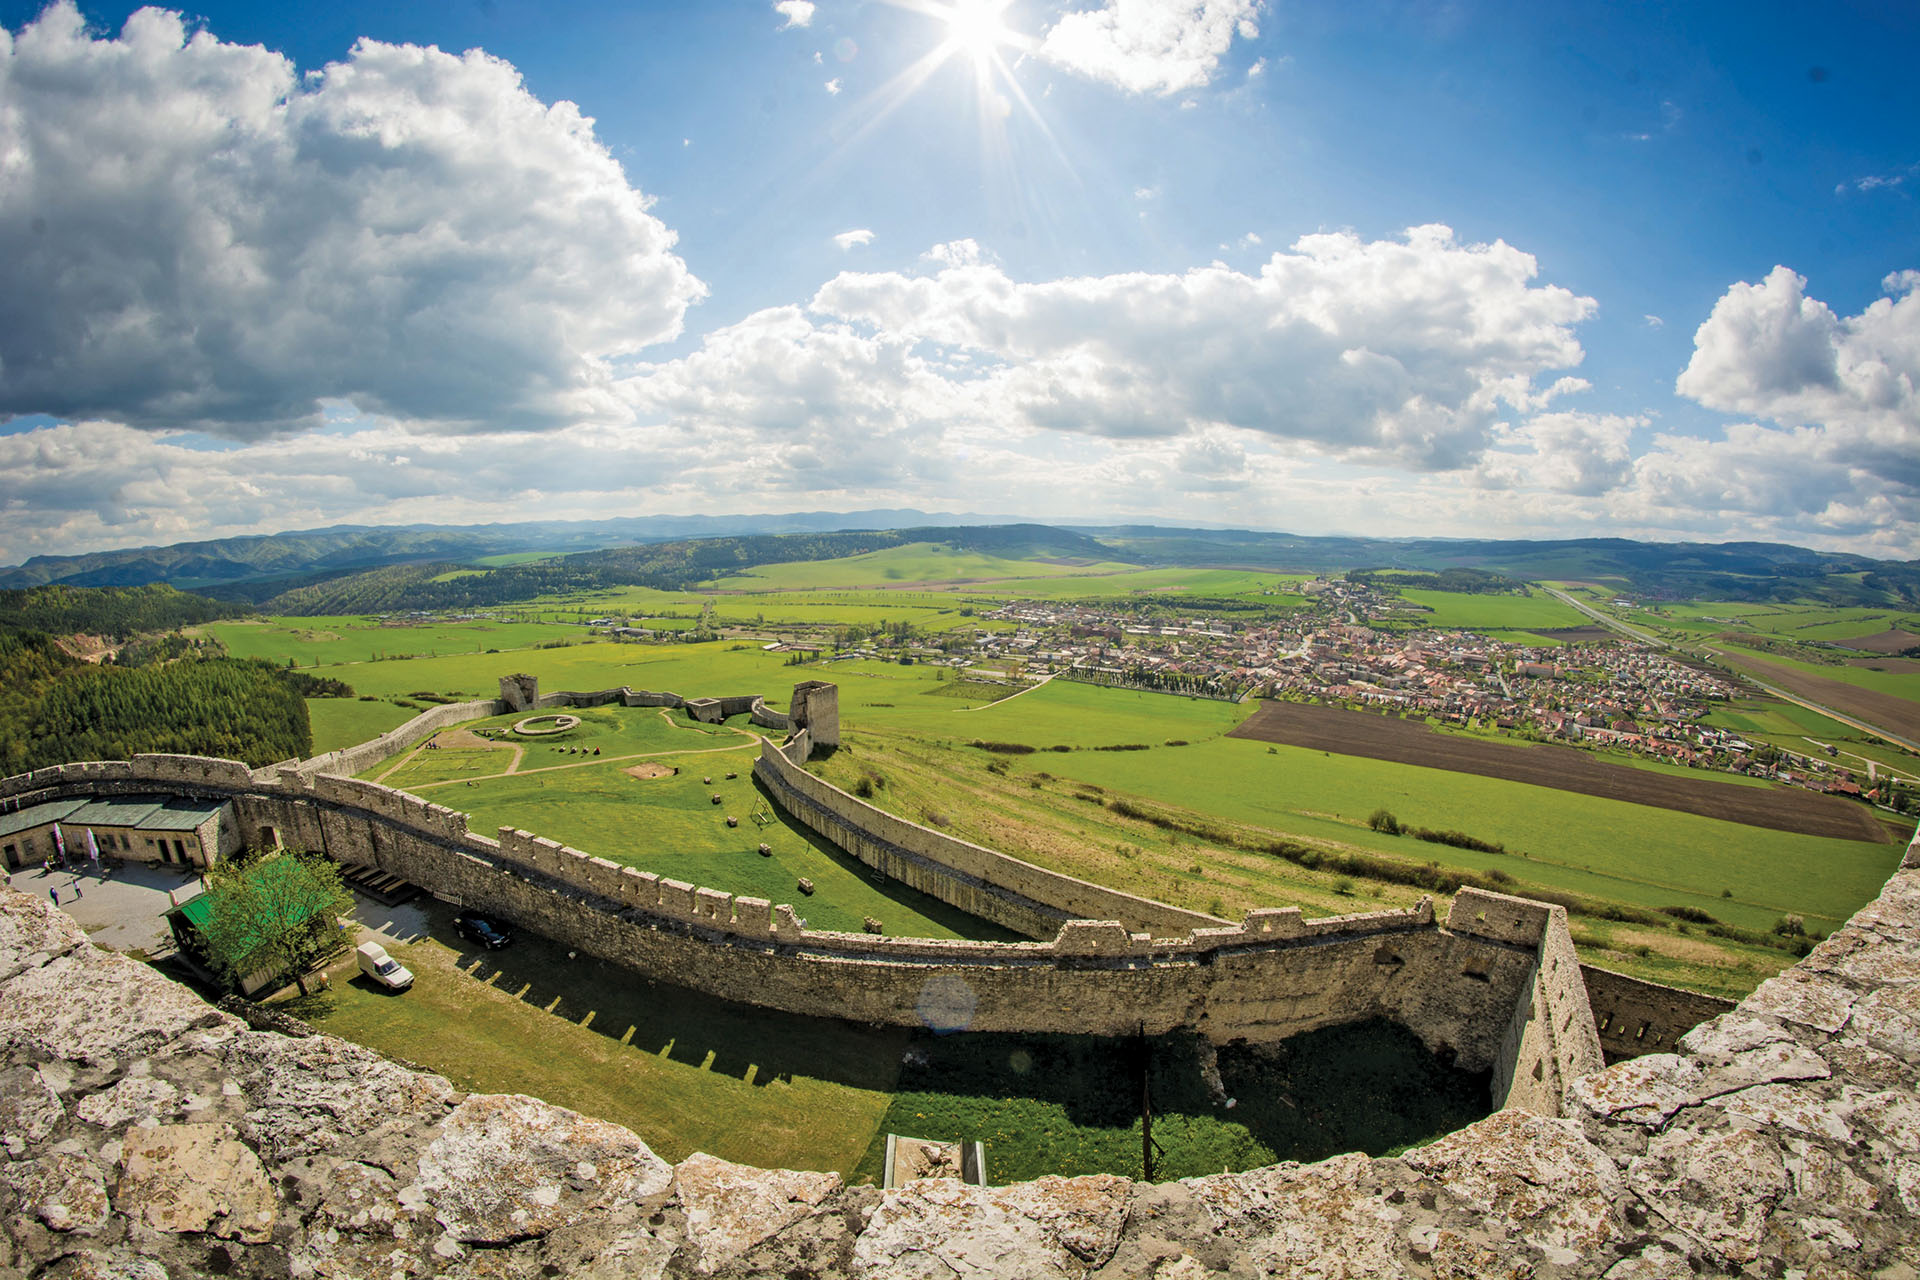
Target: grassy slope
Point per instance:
(343, 722)
(690, 1072)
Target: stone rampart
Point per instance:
(1635, 1017)
(149, 1134)
(994, 886)
(1551, 1041)
(358, 759)
(1271, 976)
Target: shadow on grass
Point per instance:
(1071, 1104)
(752, 1044)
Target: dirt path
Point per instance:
(1001, 702)
(598, 760)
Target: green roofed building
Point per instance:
(284, 903)
(188, 833)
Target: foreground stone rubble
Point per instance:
(145, 1135)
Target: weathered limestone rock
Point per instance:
(732, 1207)
(67, 1192)
(319, 1094)
(1718, 1188)
(1559, 1191)
(506, 1167)
(1316, 1222)
(29, 1109)
(1048, 1229)
(67, 1007)
(1643, 1091)
(140, 1098)
(144, 1136)
(196, 1177)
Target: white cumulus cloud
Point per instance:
(1150, 46)
(849, 239)
(1401, 349)
(192, 235)
(798, 13)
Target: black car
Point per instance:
(481, 930)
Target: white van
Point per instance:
(382, 968)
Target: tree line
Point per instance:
(109, 611)
(55, 708)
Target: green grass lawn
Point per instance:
(669, 825)
(687, 1072)
(346, 722)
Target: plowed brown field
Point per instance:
(1377, 737)
(1899, 716)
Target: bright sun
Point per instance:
(975, 29)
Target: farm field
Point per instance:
(330, 641)
(1471, 612)
(1145, 830)
(690, 669)
(1605, 849)
(1883, 700)
(1801, 729)
(912, 564)
(1361, 733)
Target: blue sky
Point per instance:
(1467, 270)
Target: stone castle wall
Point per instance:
(357, 759)
(994, 886)
(1273, 975)
(148, 1134)
(1636, 1017)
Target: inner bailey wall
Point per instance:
(1271, 976)
(1551, 1041)
(357, 759)
(994, 886)
(150, 1133)
(1635, 1017)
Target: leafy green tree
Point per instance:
(278, 915)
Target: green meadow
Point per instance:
(1609, 850)
(330, 641)
(346, 722)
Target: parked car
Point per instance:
(382, 968)
(479, 929)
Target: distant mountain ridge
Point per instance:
(347, 548)
(359, 569)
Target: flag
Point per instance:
(59, 842)
(93, 850)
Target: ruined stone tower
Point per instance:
(816, 708)
(520, 692)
